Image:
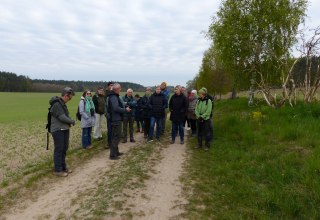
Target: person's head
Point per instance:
(193, 92)
(158, 89)
(67, 94)
(109, 85)
(177, 90)
(202, 93)
(86, 93)
(116, 88)
(129, 92)
(183, 89)
(163, 85)
(100, 91)
(148, 91)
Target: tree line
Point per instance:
(11, 82)
(251, 50)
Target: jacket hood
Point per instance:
(54, 99)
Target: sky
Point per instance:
(140, 41)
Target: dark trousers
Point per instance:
(126, 121)
(109, 135)
(61, 144)
(154, 121)
(177, 126)
(140, 124)
(163, 123)
(193, 123)
(146, 127)
(86, 137)
(115, 139)
(203, 132)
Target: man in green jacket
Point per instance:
(203, 111)
(60, 125)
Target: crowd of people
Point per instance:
(149, 114)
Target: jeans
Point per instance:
(193, 123)
(86, 137)
(116, 132)
(126, 121)
(97, 131)
(175, 127)
(61, 144)
(154, 121)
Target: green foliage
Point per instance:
(263, 164)
(252, 39)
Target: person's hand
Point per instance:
(128, 109)
(73, 122)
(200, 119)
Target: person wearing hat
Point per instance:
(166, 92)
(203, 111)
(191, 115)
(60, 125)
(99, 102)
(211, 121)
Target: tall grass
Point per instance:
(263, 164)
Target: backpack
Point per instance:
(48, 125)
(78, 115)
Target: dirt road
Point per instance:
(159, 199)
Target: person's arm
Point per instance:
(115, 105)
(58, 112)
(82, 110)
(206, 114)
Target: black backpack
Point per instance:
(78, 115)
(48, 125)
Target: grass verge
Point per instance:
(263, 164)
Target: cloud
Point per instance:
(140, 41)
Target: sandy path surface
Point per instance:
(160, 199)
(57, 200)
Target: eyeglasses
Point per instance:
(88, 93)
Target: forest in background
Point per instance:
(11, 82)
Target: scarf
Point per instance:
(89, 104)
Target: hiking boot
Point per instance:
(182, 142)
(124, 141)
(138, 130)
(132, 140)
(68, 171)
(149, 140)
(120, 153)
(61, 174)
(114, 158)
(172, 142)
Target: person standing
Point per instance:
(115, 111)
(178, 107)
(99, 102)
(158, 103)
(108, 91)
(60, 130)
(166, 92)
(128, 117)
(138, 116)
(203, 111)
(192, 100)
(146, 111)
(211, 121)
(87, 112)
